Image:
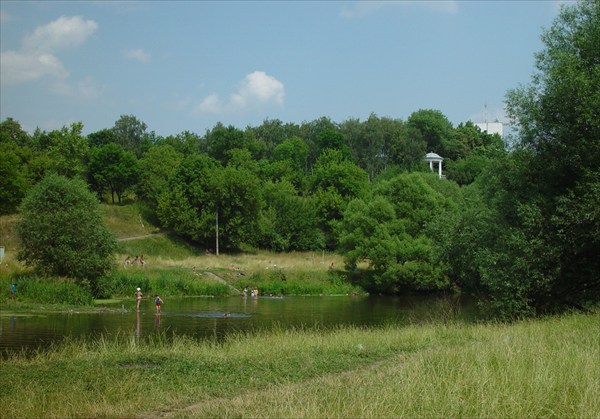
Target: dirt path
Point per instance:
(124, 239)
(221, 280)
(195, 409)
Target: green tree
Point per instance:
(434, 128)
(11, 131)
(16, 152)
(221, 140)
(543, 245)
(335, 182)
(294, 150)
(287, 221)
(130, 133)
(373, 142)
(387, 230)
(114, 168)
(62, 231)
(203, 194)
(100, 138)
(13, 180)
(289, 163)
(185, 143)
(273, 132)
(156, 168)
(66, 150)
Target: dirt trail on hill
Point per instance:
(209, 274)
(124, 239)
(221, 280)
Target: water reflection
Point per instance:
(138, 329)
(216, 318)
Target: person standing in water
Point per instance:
(138, 299)
(158, 302)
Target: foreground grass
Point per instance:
(540, 368)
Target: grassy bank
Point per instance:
(173, 268)
(539, 368)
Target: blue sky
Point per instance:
(181, 66)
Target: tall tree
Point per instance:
(114, 168)
(16, 152)
(334, 183)
(221, 140)
(62, 230)
(130, 133)
(541, 253)
(66, 150)
(156, 168)
(206, 199)
(102, 137)
(287, 221)
(11, 131)
(433, 127)
(273, 132)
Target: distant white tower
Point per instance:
(434, 158)
(490, 127)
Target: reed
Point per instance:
(538, 368)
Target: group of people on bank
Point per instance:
(253, 292)
(138, 260)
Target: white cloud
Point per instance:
(210, 104)
(360, 9)
(83, 89)
(37, 57)
(137, 55)
(64, 32)
(257, 89)
(19, 67)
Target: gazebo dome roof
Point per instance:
(433, 157)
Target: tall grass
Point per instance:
(171, 282)
(297, 282)
(128, 220)
(538, 368)
(60, 291)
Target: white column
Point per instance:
(440, 168)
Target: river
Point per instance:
(216, 318)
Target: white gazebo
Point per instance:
(435, 158)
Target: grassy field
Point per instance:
(533, 369)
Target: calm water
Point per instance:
(209, 318)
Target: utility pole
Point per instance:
(217, 230)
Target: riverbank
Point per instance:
(537, 368)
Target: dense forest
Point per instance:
(517, 226)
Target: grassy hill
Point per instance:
(170, 257)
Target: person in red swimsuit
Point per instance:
(158, 302)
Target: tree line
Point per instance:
(518, 227)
